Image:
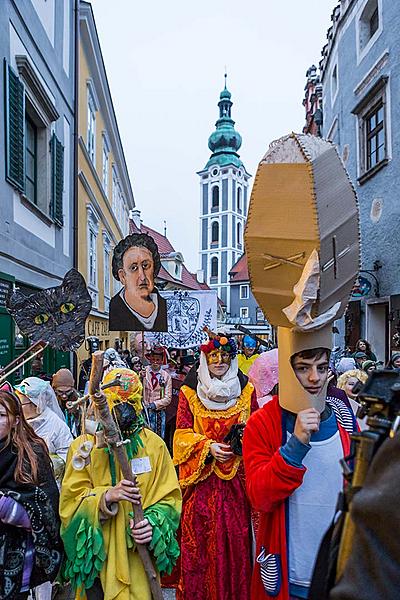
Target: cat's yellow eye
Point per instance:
(67, 307)
(41, 319)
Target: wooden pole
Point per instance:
(113, 438)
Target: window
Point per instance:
(373, 136)
(244, 292)
(106, 150)
(244, 312)
(215, 233)
(215, 199)
(239, 235)
(92, 258)
(30, 160)
(107, 270)
(214, 268)
(34, 155)
(334, 83)
(369, 26)
(92, 232)
(91, 125)
(239, 199)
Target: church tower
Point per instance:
(223, 202)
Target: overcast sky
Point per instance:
(165, 63)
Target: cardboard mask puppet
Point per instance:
(56, 315)
(303, 252)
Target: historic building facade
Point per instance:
(224, 185)
(38, 46)
(360, 76)
(105, 195)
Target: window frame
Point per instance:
(214, 260)
(244, 291)
(91, 125)
(105, 180)
(377, 96)
(244, 312)
(30, 122)
(215, 207)
(360, 25)
(214, 226)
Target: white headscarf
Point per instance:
(214, 393)
(41, 394)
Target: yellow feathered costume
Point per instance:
(97, 537)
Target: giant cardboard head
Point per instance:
(302, 245)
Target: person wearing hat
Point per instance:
(63, 385)
(291, 449)
(248, 355)
(263, 374)
(157, 389)
(216, 542)
(360, 357)
(100, 538)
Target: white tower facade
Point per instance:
(224, 200)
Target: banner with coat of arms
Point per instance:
(188, 312)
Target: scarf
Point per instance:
(41, 504)
(218, 394)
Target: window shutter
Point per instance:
(57, 179)
(15, 121)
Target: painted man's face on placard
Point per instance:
(137, 274)
(138, 306)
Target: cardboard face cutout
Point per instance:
(138, 306)
(302, 246)
(56, 315)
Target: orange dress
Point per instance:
(216, 561)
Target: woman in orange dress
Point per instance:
(216, 535)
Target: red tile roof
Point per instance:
(239, 271)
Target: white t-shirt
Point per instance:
(312, 506)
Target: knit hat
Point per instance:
(367, 364)
(63, 379)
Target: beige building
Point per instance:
(104, 191)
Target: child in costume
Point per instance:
(158, 389)
(95, 506)
(248, 355)
(303, 256)
(216, 557)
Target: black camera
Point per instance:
(379, 397)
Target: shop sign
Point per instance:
(5, 288)
(362, 287)
(97, 327)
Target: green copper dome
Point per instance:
(225, 141)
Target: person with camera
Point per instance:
(215, 402)
(291, 451)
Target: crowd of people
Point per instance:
(230, 476)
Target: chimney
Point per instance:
(134, 216)
(200, 276)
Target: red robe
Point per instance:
(216, 540)
(270, 480)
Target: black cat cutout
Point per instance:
(56, 315)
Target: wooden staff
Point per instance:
(114, 440)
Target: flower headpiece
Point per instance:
(219, 341)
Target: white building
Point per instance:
(223, 203)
